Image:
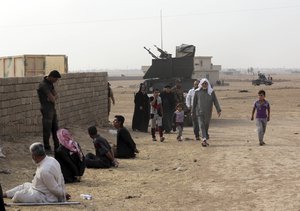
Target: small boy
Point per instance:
(156, 113)
(179, 119)
(262, 108)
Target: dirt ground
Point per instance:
(233, 173)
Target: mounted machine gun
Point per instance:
(152, 54)
(163, 54)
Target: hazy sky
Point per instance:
(98, 34)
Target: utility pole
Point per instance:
(161, 31)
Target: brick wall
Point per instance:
(82, 100)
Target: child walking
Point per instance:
(156, 113)
(262, 108)
(179, 119)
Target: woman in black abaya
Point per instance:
(141, 116)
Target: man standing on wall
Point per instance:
(48, 96)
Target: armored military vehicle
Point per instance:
(166, 70)
(262, 79)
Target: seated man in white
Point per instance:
(47, 185)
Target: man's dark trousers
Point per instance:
(50, 125)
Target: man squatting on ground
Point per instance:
(48, 96)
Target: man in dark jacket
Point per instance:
(168, 104)
(104, 157)
(126, 147)
(47, 97)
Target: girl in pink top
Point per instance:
(179, 119)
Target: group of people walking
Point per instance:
(167, 111)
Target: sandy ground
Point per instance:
(233, 173)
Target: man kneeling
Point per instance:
(104, 157)
(126, 148)
(47, 185)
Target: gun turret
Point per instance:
(163, 54)
(153, 55)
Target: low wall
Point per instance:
(82, 100)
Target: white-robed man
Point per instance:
(204, 99)
(189, 104)
(47, 185)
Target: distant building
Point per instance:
(203, 68)
(32, 65)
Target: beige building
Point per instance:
(32, 65)
(203, 68)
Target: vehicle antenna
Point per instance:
(161, 31)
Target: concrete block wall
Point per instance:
(82, 101)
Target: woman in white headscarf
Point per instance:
(203, 101)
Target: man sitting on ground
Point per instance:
(70, 156)
(104, 157)
(47, 185)
(126, 147)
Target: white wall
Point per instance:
(202, 63)
(203, 68)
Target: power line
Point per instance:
(236, 11)
(151, 17)
(80, 22)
